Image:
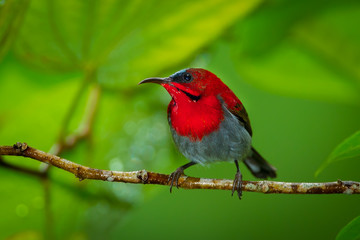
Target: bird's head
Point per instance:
(190, 84)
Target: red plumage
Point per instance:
(206, 113)
(209, 123)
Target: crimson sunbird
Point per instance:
(209, 123)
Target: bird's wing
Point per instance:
(240, 113)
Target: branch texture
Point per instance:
(145, 177)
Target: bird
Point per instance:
(208, 123)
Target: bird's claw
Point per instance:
(175, 177)
(237, 185)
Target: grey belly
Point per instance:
(231, 141)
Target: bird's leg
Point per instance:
(174, 177)
(237, 181)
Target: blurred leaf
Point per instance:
(333, 45)
(125, 40)
(27, 235)
(267, 27)
(348, 149)
(170, 37)
(305, 51)
(351, 231)
(11, 16)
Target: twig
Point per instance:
(84, 129)
(89, 75)
(80, 192)
(145, 177)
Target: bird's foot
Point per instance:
(174, 177)
(237, 184)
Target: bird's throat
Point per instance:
(195, 119)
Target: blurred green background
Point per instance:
(294, 64)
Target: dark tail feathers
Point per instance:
(258, 166)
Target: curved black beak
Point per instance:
(156, 80)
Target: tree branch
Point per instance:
(145, 177)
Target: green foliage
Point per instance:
(307, 49)
(348, 149)
(123, 40)
(11, 16)
(351, 231)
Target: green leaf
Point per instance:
(351, 231)
(124, 40)
(304, 51)
(11, 16)
(170, 39)
(348, 149)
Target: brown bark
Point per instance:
(145, 177)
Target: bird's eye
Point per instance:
(187, 77)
